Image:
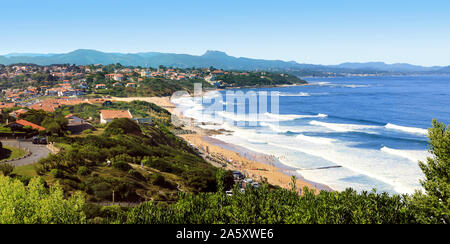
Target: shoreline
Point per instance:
(256, 165)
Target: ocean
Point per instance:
(357, 132)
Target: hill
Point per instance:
(211, 58)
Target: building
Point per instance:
(77, 125)
(19, 124)
(107, 116)
(16, 113)
(100, 86)
(116, 77)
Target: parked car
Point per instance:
(255, 185)
(39, 140)
(248, 180)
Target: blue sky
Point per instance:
(319, 32)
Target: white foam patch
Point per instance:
(407, 129)
(266, 117)
(315, 139)
(326, 83)
(413, 155)
(345, 127)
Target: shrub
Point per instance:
(121, 165)
(56, 173)
(123, 126)
(158, 179)
(135, 174)
(83, 171)
(102, 191)
(6, 168)
(87, 131)
(25, 179)
(34, 204)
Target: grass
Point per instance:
(63, 146)
(27, 170)
(9, 152)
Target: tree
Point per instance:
(435, 205)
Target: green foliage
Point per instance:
(87, 132)
(34, 204)
(34, 116)
(279, 206)
(121, 165)
(56, 173)
(434, 207)
(136, 174)
(83, 171)
(6, 168)
(259, 79)
(122, 126)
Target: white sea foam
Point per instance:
(310, 152)
(345, 127)
(412, 130)
(317, 140)
(300, 94)
(413, 155)
(326, 83)
(266, 117)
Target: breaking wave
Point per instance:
(407, 129)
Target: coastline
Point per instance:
(255, 165)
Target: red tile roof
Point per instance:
(115, 114)
(27, 123)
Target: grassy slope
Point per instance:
(9, 152)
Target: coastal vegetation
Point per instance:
(259, 79)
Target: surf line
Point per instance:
(325, 167)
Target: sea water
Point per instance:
(358, 132)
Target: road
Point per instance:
(37, 152)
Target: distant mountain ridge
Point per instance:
(210, 58)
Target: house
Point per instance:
(107, 116)
(100, 86)
(116, 77)
(7, 105)
(117, 84)
(73, 120)
(76, 125)
(48, 107)
(16, 113)
(19, 124)
(131, 84)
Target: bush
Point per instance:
(87, 131)
(6, 168)
(135, 174)
(121, 165)
(35, 204)
(158, 179)
(102, 191)
(25, 179)
(83, 171)
(56, 173)
(122, 126)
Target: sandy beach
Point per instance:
(255, 165)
